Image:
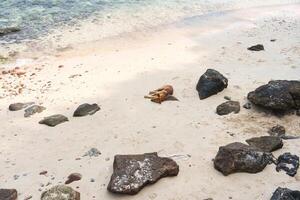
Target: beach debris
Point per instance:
(133, 172)
(93, 152)
(210, 83)
(86, 109)
(54, 120)
(164, 93)
(258, 47)
(228, 107)
(60, 192)
(278, 95)
(73, 177)
(19, 106)
(266, 143)
(288, 163)
(279, 131)
(8, 194)
(33, 109)
(239, 157)
(247, 105)
(285, 194)
(9, 30)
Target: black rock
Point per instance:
(258, 47)
(279, 95)
(54, 120)
(8, 194)
(285, 194)
(60, 192)
(19, 106)
(247, 105)
(210, 83)
(133, 172)
(289, 163)
(239, 157)
(9, 30)
(86, 109)
(266, 143)
(33, 109)
(228, 107)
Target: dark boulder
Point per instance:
(210, 83)
(8, 194)
(60, 192)
(288, 163)
(228, 107)
(285, 194)
(54, 120)
(86, 109)
(258, 47)
(266, 143)
(9, 30)
(133, 172)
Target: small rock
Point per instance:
(247, 105)
(289, 163)
(227, 98)
(16, 177)
(210, 83)
(133, 172)
(93, 152)
(92, 180)
(19, 106)
(54, 120)
(228, 107)
(60, 192)
(86, 109)
(273, 40)
(258, 47)
(8, 194)
(277, 130)
(33, 109)
(43, 172)
(73, 177)
(9, 30)
(285, 194)
(266, 143)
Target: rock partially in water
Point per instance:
(133, 172)
(258, 47)
(73, 177)
(8, 194)
(19, 106)
(210, 83)
(239, 157)
(285, 194)
(279, 95)
(266, 143)
(9, 30)
(288, 163)
(228, 107)
(60, 192)
(54, 120)
(93, 152)
(33, 109)
(86, 109)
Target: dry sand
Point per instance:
(117, 72)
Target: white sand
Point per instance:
(116, 73)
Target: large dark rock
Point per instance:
(228, 107)
(288, 163)
(8, 194)
(19, 106)
(258, 47)
(238, 157)
(279, 95)
(54, 120)
(210, 83)
(285, 194)
(266, 143)
(33, 109)
(86, 109)
(60, 192)
(9, 30)
(133, 172)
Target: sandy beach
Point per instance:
(116, 73)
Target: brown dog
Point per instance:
(161, 94)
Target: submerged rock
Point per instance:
(73, 177)
(285, 194)
(289, 163)
(133, 172)
(86, 109)
(19, 106)
(266, 143)
(8, 194)
(258, 47)
(60, 192)
(210, 83)
(54, 120)
(279, 95)
(238, 157)
(228, 107)
(33, 109)
(9, 30)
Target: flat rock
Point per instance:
(54, 120)
(86, 109)
(9, 30)
(60, 192)
(288, 163)
(210, 83)
(133, 172)
(228, 107)
(279, 95)
(285, 194)
(266, 143)
(239, 157)
(19, 106)
(8, 194)
(258, 47)
(73, 177)
(33, 109)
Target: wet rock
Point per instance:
(19, 106)
(33, 109)
(266, 143)
(8, 194)
(93, 152)
(285, 194)
(258, 47)
(289, 163)
(60, 192)
(228, 107)
(279, 95)
(238, 157)
(86, 109)
(73, 177)
(9, 30)
(247, 105)
(133, 172)
(54, 120)
(210, 83)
